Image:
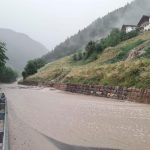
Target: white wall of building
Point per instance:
(146, 28)
(129, 29)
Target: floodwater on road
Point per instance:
(48, 119)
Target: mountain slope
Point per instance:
(130, 72)
(130, 14)
(20, 48)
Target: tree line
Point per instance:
(7, 74)
(93, 48)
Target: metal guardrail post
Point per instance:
(5, 137)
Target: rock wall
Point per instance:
(30, 83)
(131, 94)
(121, 93)
(139, 95)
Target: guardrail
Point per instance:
(4, 145)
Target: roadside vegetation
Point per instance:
(111, 66)
(7, 74)
(32, 67)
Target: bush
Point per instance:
(77, 56)
(90, 48)
(32, 67)
(132, 34)
(24, 75)
(7, 75)
(93, 57)
(125, 36)
(99, 48)
(114, 38)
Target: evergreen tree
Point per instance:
(3, 56)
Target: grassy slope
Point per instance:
(110, 68)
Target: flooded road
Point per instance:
(48, 119)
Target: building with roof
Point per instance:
(144, 23)
(128, 28)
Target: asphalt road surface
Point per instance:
(48, 119)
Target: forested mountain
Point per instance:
(129, 14)
(20, 48)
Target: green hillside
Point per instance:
(129, 14)
(127, 64)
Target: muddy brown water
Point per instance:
(42, 118)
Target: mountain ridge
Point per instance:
(20, 48)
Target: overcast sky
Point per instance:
(52, 21)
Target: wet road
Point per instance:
(48, 119)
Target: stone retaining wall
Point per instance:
(131, 94)
(139, 95)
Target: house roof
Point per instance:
(143, 19)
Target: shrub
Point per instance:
(99, 48)
(75, 57)
(8, 75)
(79, 55)
(114, 38)
(32, 67)
(90, 48)
(125, 36)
